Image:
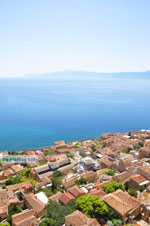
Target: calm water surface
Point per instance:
(36, 112)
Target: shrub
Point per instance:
(48, 151)
(82, 181)
(126, 151)
(57, 173)
(141, 188)
(3, 186)
(4, 224)
(70, 155)
(110, 172)
(13, 210)
(48, 222)
(132, 192)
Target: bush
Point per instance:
(48, 151)
(3, 186)
(13, 180)
(4, 224)
(115, 222)
(83, 155)
(48, 222)
(129, 134)
(139, 145)
(126, 151)
(141, 188)
(13, 210)
(82, 181)
(57, 173)
(132, 192)
(110, 172)
(70, 155)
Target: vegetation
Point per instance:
(141, 188)
(42, 163)
(70, 155)
(48, 151)
(24, 176)
(56, 180)
(4, 224)
(139, 145)
(92, 206)
(95, 147)
(13, 210)
(126, 151)
(58, 212)
(110, 172)
(3, 186)
(132, 192)
(57, 173)
(112, 187)
(83, 155)
(56, 183)
(82, 181)
(12, 153)
(115, 222)
(48, 222)
(78, 144)
(13, 180)
(46, 190)
(129, 134)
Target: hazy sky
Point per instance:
(38, 36)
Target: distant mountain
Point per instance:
(81, 73)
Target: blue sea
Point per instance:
(35, 111)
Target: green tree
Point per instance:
(13, 180)
(27, 172)
(110, 172)
(58, 212)
(48, 222)
(132, 192)
(57, 173)
(92, 206)
(56, 182)
(112, 187)
(13, 210)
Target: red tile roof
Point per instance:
(66, 197)
(138, 178)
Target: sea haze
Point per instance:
(39, 109)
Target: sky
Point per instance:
(40, 36)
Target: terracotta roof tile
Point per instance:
(66, 197)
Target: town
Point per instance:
(103, 181)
